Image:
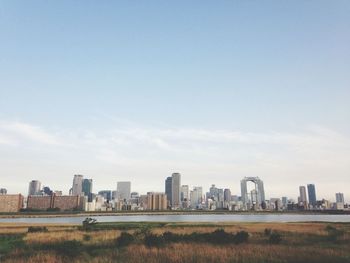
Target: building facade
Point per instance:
(311, 190)
(77, 188)
(34, 187)
(176, 190)
(123, 191)
(156, 201)
(11, 203)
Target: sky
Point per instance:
(137, 90)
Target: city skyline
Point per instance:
(215, 91)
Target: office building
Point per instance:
(168, 190)
(77, 188)
(302, 197)
(123, 191)
(156, 201)
(312, 195)
(256, 198)
(196, 197)
(176, 190)
(87, 187)
(107, 194)
(339, 197)
(34, 187)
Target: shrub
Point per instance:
(275, 238)
(152, 240)
(34, 229)
(241, 237)
(267, 231)
(86, 237)
(125, 239)
(334, 234)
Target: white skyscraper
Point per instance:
(123, 190)
(77, 188)
(196, 197)
(176, 190)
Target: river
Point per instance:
(214, 218)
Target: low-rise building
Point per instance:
(11, 203)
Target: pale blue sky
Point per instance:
(214, 90)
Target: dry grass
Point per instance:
(300, 244)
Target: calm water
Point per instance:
(186, 218)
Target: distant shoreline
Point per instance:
(137, 213)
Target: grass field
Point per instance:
(176, 242)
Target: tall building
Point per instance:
(156, 201)
(123, 190)
(168, 190)
(185, 193)
(196, 197)
(176, 190)
(107, 194)
(3, 191)
(77, 188)
(87, 187)
(312, 195)
(227, 195)
(256, 198)
(302, 196)
(34, 187)
(339, 197)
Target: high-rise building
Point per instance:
(302, 197)
(227, 195)
(3, 191)
(312, 195)
(196, 196)
(156, 201)
(339, 197)
(77, 188)
(254, 199)
(168, 190)
(123, 190)
(176, 190)
(107, 194)
(87, 187)
(185, 193)
(34, 187)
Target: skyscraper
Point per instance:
(34, 187)
(196, 196)
(87, 187)
(312, 195)
(123, 190)
(156, 201)
(302, 197)
(339, 197)
(175, 190)
(185, 193)
(77, 188)
(168, 189)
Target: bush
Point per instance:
(152, 240)
(267, 231)
(275, 238)
(334, 234)
(124, 239)
(34, 229)
(86, 237)
(68, 248)
(241, 237)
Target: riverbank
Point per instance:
(156, 242)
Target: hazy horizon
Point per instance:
(136, 91)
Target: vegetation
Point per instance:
(176, 242)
